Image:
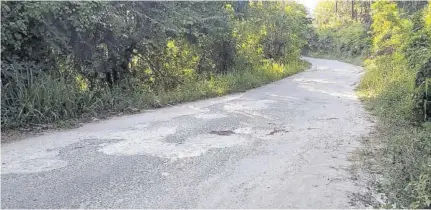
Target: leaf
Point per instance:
(5, 7)
(18, 36)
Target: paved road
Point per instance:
(284, 145)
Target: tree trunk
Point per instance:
(353, 9)
(336, 6)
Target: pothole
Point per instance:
(223, 133)
(274, 131)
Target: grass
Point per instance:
(229, 83)
(402, 153)
(60, 101)
(398, 153)
(402, 146)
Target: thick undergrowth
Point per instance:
(72, 60)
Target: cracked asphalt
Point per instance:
(283, 145)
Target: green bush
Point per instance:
(338, 34)
(390, 84)
(66, 60)
(396, 47)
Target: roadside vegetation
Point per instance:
(339, 33)
(71, 60)
(393, 39)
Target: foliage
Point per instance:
(341, 29)
(334, 14)
(348, 41)
(427, 18)
(395, 72)
(66, 60)
(389, 29)
(395, 40)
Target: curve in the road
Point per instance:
(284, 145)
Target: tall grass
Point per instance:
(405, 158)
(48, 98)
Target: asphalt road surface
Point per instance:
(283, 145)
